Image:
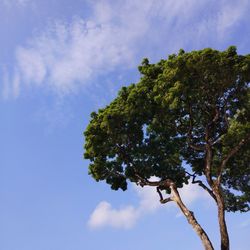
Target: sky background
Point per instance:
(59, 61)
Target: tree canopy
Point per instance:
(191, 108)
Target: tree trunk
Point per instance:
(191, 219)
(222, 222)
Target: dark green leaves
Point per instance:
(178, 106)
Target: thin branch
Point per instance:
(144, 182)
(208, 147)
(201, 184)
(213, 121)
(216, 116)
(163, 201)
(208, 162)
(159, 192)
(166, 200)
(226, 120)
(196, 147)
(163, 184)
(160, 185)
(231, 154)
(217, 139)
(220, 136)
(190, 130)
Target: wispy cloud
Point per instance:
(126, 217)
(118, 34)
(69, 55)
(11, 3)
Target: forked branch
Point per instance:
(163, 201)
(201, 184)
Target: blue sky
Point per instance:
(61, 60)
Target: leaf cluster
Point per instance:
(179, 105)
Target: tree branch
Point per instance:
(201, 184)
(196, 147)
(229, 155)
(144, 182)
(208, 147)
(208, 162)
(190, 130)
(163, 184)
(163, 201)
(191, 219)
(217, 139)
(224, 129)
(216, 116)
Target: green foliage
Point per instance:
(188, 99)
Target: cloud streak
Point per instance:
(69, 55)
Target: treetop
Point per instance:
(182, 108)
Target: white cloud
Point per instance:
(126, 217)
(105, 215)
(31, 65)
(67, 56)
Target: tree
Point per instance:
(191, 108)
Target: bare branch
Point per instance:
(163, 201)
(166, 200)
(159, 192)
(145, 182)
(231, 154)
(201, 184)
(162, 184)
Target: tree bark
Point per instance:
(225, 244)
(215, 185)
(175, 196)
(191, 219)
